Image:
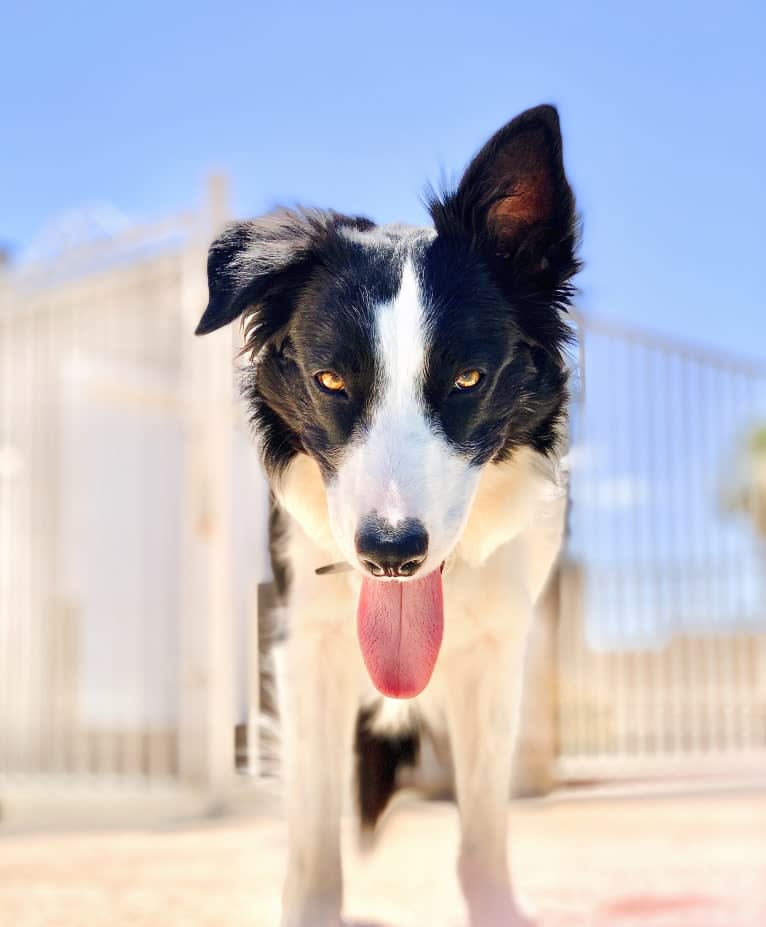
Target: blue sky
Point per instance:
(356, 105)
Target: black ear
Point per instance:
(251, 258)
(515, 202)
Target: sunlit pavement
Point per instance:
(694, 861)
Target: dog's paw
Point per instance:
(490, 899)
(498, 906)
(520, 918)
(512, 917)
(318, 919)
(313, 914)
(313, 919)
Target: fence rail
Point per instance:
(118, 438)
(129, 579)
(661, 649)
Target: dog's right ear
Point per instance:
(514, 202)
(249, 260)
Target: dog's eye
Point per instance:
(331, 381)
(468, 379)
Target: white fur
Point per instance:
(401, 467)
(493, 578)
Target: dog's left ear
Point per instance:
(257, 268)
(251, 259)
(515, 202)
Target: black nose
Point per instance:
(391, 550)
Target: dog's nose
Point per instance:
(391, 550)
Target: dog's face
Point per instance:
(404, 360)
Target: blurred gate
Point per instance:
(661, 645)
(128, 574)
(119, 450)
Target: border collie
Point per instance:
(408, 389)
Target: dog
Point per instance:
(408, 391)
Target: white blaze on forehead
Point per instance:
(401, 341)
(399, 426)
(400, 467)
(386, 469)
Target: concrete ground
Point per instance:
(611, 862)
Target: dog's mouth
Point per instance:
(400, 626)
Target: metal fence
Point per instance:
(120, 454)
(661, 645)
(133, 521)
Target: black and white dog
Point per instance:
(408, 389)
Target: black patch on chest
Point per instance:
(378, 760)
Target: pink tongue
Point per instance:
(400, 627)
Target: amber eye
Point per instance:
(330, 381)
(468, 379)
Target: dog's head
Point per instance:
(403, 360)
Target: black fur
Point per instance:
(501, 266)
(522, 395)
(324, 323)
(280, 564)
(378, 760)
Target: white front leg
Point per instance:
(482, 700)
(320, 698)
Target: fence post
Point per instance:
(206, 723)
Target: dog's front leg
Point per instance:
(482, 704)
(321, 699)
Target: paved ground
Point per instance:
(685, 862)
